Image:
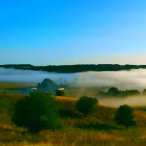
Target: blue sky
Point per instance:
(43, 32)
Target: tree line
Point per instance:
(115, 92)
(75, 68)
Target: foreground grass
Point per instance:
(76, 137)
(26, 144)
(98, 129)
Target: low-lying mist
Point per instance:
(134, 79)
(136, 101)
(123, 80)
(28, 76)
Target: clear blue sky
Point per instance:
(43, 32)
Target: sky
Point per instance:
(55, 32)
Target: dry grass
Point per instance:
(78, 137)
(26, 144)
(105, 114)
(140, 117)
(64, 98)
(82, 137)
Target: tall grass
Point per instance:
(98, 129)
(78, 137)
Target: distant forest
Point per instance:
(75, 68)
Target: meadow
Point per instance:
(10, 85)
(93, 130)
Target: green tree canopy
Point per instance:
(124, 116)
(37, 112)
(113, 91)
(87, 105)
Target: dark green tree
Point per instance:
(124, 116)
(87, 105)
(113, 91)
(36, 112)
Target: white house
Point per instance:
(33, 88)
(62, 89)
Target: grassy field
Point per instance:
(74, 137)
(98, 129)
(81, 137)
(6, 85)
(64, 98)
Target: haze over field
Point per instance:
(134, 79)
(135, 101)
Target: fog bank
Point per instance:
(28, 76)
(132, 101)
(134, 79)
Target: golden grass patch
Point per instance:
(26, 144)
(64, 98)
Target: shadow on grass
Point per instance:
(69, 114)
(142, 108)
(96, 126)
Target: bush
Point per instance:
(7, 105)
(144, 92)
(37, 112)
(124, 116)
(60, 93)
(87, 105)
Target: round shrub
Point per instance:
(87, 105)
(124, 116)
(60, 93)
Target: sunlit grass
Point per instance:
(64, 98)
(77, 137)
(74, 135)
(26, 144)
